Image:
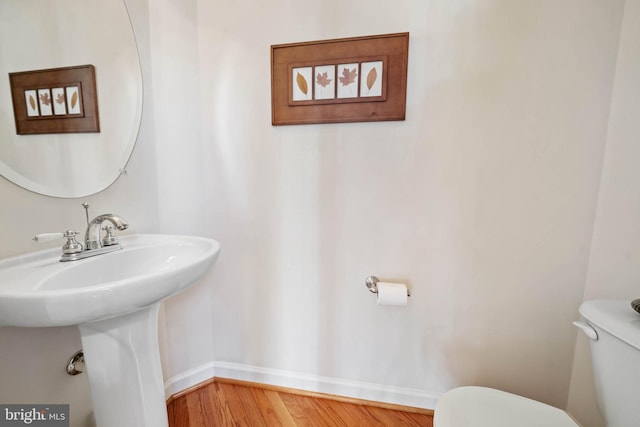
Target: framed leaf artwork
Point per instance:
(55, 100)
(358, 79)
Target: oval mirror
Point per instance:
(45, 34)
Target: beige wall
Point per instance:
(483, 200)
(614, 265)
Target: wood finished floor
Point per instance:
(221, 403)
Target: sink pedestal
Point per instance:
(123, 364)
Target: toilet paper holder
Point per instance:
(372, 284)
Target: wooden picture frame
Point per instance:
(320, 81)
(55, 100)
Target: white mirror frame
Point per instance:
(43, 34)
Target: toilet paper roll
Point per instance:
(392, 293)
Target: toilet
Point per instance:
(613, 329)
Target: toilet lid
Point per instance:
(487, 407)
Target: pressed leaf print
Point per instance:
(74, 99)
(371, 78)
(349, 80)
(302, 83)
(31, 99)
(323, 79)
(44, 99)
(372, 84)
(325, 82)
(59, 104)
(348, 77)
(45, 102)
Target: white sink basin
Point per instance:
(37, 290)
(113, 298)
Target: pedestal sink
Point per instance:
(114, 299)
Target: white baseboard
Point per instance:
(188, 379)
(336, 386)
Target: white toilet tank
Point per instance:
(615, 359)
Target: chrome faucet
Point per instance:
(92, 239)
(93, 244)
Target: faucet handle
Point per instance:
(46, 237)
(109, 239)
(71, 247)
